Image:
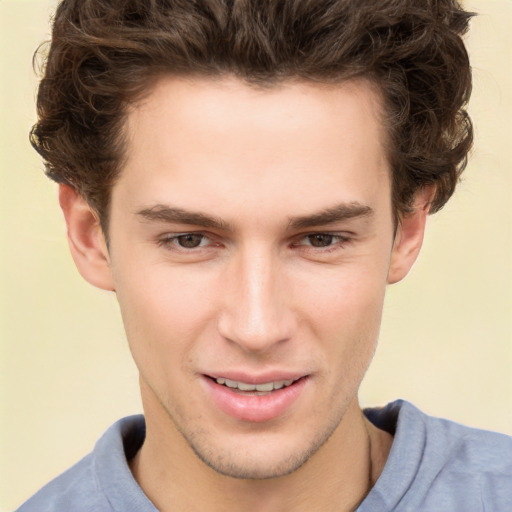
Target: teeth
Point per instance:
(231, 383)
(269, 386)
(265, 387)
(245, 387)
(282, 383)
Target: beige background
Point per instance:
(65, 370)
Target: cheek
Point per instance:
(344, 315)
(347, 301)
(348, 329)
(163, 310)
(351, 326)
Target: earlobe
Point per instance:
(86, 239)
(409, 236)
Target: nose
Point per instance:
(257, 313)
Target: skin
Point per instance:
(286, 193)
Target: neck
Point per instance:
(336, 478)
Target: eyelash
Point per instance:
(338, 242)
(170, 241)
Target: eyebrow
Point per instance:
(338, 213)
(174, 215)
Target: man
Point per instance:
(248, 177)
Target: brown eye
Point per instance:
(189, 241)
(320, 240)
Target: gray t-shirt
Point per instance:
(434, 466)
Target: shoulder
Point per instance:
(71, 491)
(436, 464)
(457, 447)
(449, 441)
(475, 462)
(100, 479)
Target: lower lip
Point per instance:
(255, 408)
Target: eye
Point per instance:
(185, 241)
(321, 239)
(190, 240)
(322, 243)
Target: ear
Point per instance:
(86, 240)
(409, 236)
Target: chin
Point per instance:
(260, 457)
(247, 468)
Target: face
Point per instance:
(251, 238)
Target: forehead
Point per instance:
(211, 143)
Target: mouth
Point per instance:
(254, 389)
(261, 400)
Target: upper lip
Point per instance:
(252, 378)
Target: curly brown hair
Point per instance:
(105, 54)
